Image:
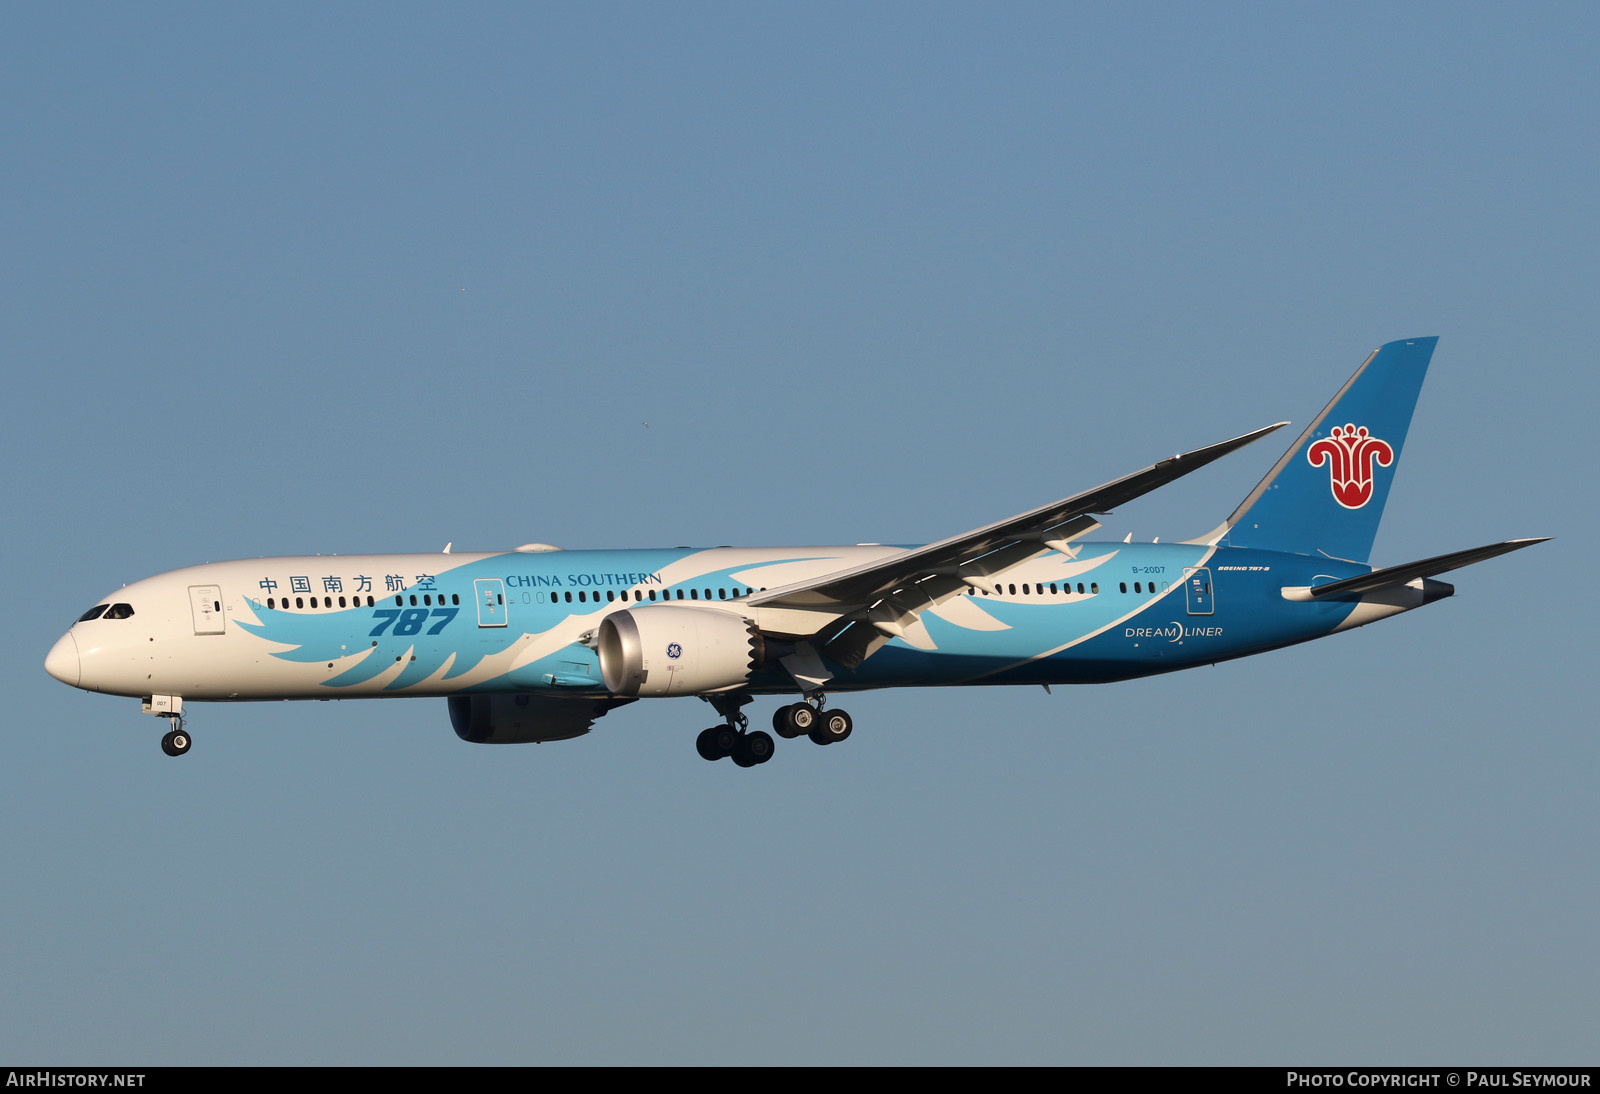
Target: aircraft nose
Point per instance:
(62, 660)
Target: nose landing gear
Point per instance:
(176, 741)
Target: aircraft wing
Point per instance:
(903, 584)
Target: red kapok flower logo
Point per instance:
(1351, 455)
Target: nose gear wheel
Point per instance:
(176, 741)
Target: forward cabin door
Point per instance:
(205, 604)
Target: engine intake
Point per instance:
(660, 651)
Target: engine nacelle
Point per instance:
(521, 719)
(675, 650)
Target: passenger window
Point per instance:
(455, 598)
(300, 602)
(1123, 585)
(270, 604)
(1094, 587)
(93, 613)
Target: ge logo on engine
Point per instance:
(674, 650)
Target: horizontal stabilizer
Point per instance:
(1400, 575)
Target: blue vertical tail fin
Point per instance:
(1326, 494)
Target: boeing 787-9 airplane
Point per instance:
(536, 643)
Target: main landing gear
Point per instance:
(176, 741)
(734, 739)
(751, 747)
(803, 719)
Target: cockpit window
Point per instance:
(93, 613)
(119, 611)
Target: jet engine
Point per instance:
(656, 651)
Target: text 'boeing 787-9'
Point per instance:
(537, 643)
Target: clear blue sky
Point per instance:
(298, 279)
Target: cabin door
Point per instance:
(205, 604)
(491, 594)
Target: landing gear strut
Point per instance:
(735, 738)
